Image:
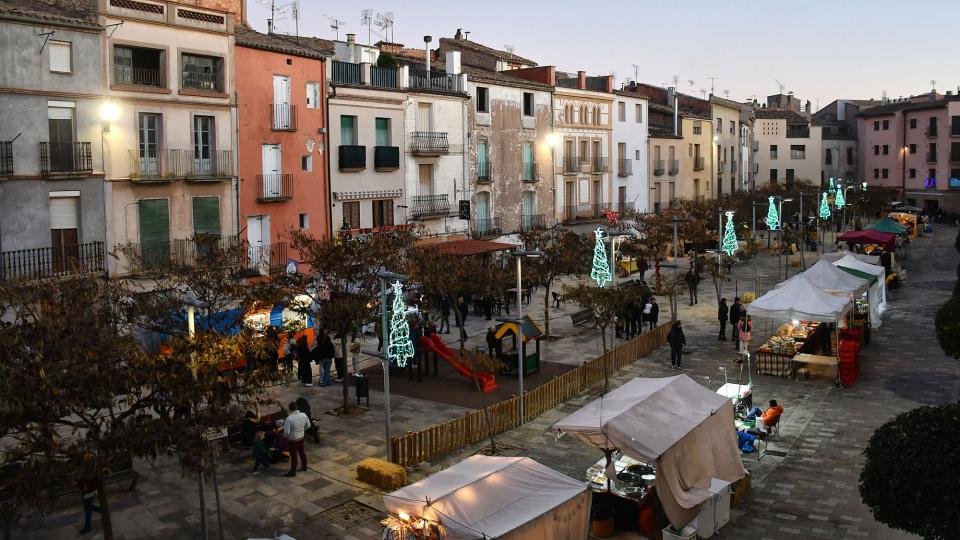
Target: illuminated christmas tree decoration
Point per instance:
(601, 265)
(400, 349)
(839, 200)
(773, 218)
(832, 186)
(824, 208)
(729, 245)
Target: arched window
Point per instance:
(596, 116)
(583, 114)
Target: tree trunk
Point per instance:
(346, 381)
(546, 310)
(486, 412)
(606, 370)
(104, 509)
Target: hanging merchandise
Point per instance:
(601, 265)
(773, 218)
(824, 208)
(839, 200)
(729, 236)
(400, 349)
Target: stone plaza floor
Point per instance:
(806, 488)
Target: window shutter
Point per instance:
(383, 131)
(388, 212)
(206, 216)
(154, 220)
(60, 56)
(63, 213)
(355, 215)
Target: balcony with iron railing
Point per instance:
(283, 116)
(265, 258)
(50, 262)
(386, 158)
(698, 163)
(658, 167)
(598, 164)
(167, 164)
(624, 167)
(532, 222)
(66, 158)
(6, 157)
(584, 212)
(931, 131)
(674, 167)
(529, 172)
(161, 256)
(275, 187)
(383, 77)
(199, 80)
(134, 76)
(756, 168)
(485, 228)
(484, 172)
(437, 81)
(429, 143)
(571, 164)
(352, 158)
(798, 154)
(720, 166)
(756, 146)
(422, 206)
(346, 73)
(931, 157)
(733, 166)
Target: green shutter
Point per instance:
(383, 131)
(348, 130)
(206, 216)
(154, 232)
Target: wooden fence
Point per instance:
(419, 446)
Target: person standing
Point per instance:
(462, 323)
(677, 341)
(304, 370)
(444, 316)
(88, 492)
(324, 353)
(654, 313)
(722, 314)
(745, 333)
(260, 453)
(294, 429)
(736, 311)
(289, 351)
(692, 280)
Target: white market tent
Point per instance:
(509, 498)
(680, 427)
(833, 280)
(799, 299)
(835, 256)
(878, 290)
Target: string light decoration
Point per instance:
(730, 244)
(839, 200)
(824, 208)
(601, 266)
(832, 186)
(400, 349)
(773, 218)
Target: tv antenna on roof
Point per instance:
(726, 93)
(385, 22)
(636, 72)
(335, 25)
(509, 48)
(933, 86)
(712, 81)
(703, 93)
(366, 18)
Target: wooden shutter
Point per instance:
(388, 212)
(60, 60)
(206, 216)
(154, 220)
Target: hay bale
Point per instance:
(382, 474)
(795, 263)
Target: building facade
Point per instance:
(730, 153)
(52, 211)
(281, 104)
(788, 148)
(839, 134)
(170, 151)
(631, 180)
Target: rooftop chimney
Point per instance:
(466, 34)
(453, 62)
(610, 83)
(351, 42)
(459, 34)
(582, 80)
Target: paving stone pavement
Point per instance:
(809, 492)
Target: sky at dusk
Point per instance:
(819, 49)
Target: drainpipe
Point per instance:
(326, 145)
(236, 162)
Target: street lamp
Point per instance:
(521, 357)
(384, 277)
(786, 267)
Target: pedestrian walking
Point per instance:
(462, 323)
(736, 312)
(722, 314)
(260, 454)
(444, 316)
(677, 342)
(692, 280)
(294, 429)
(340, 357)
(324, 353)
(745, 333)
(304, 370)
(88, 493)
(654, 312)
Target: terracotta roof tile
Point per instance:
(250, 38)
(80, 13)
(483, 49)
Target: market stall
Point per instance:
(804, 308)
(888, 225)
(878, 290)
(508, 498)
(829, 278)
(908, 220)
(867, 237)
(673, 425)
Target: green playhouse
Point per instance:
(531, 333)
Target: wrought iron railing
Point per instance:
(275, 187)
(931, 131)
(658, 168)
(571, 164)
(529, 171)
(386, 158)
(352, 157)
(484, 171)
(6, 157)
(179, 163)
(196, 80)
(584, 212)
(162, 255)
(138, 76)
(383, 77)
(485, 227)
(75, 157)
(429, 205)
(435, 80)
(674, 166)
(532, 222)
(698, 163)
(598, 164)
(48, 262)
(346, 73)
(624, 167)
(429, 143)
(266, 257)
(284, 116)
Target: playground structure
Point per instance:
(531, 333)
(434, 344)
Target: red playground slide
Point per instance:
(435, 344)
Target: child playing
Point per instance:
(260, 454)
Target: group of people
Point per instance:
(324, 353)
(741, 324)
(638, 316)
(284, 439)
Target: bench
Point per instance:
(584, 317)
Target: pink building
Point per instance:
(914, 145)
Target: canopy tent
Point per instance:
(888, 225)
(682, 427)
(799, 299)
(831, 279)
(509, 498)
(887, 240)
(835, 256)
(879, 289)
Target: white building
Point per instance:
(631, 183)
(728, 152)
(788, 147)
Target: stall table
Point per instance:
(817, 360)
(770, 361)
(631, 507)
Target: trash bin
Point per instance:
(362, 384)
(602, 522)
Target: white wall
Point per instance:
(634, 135)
